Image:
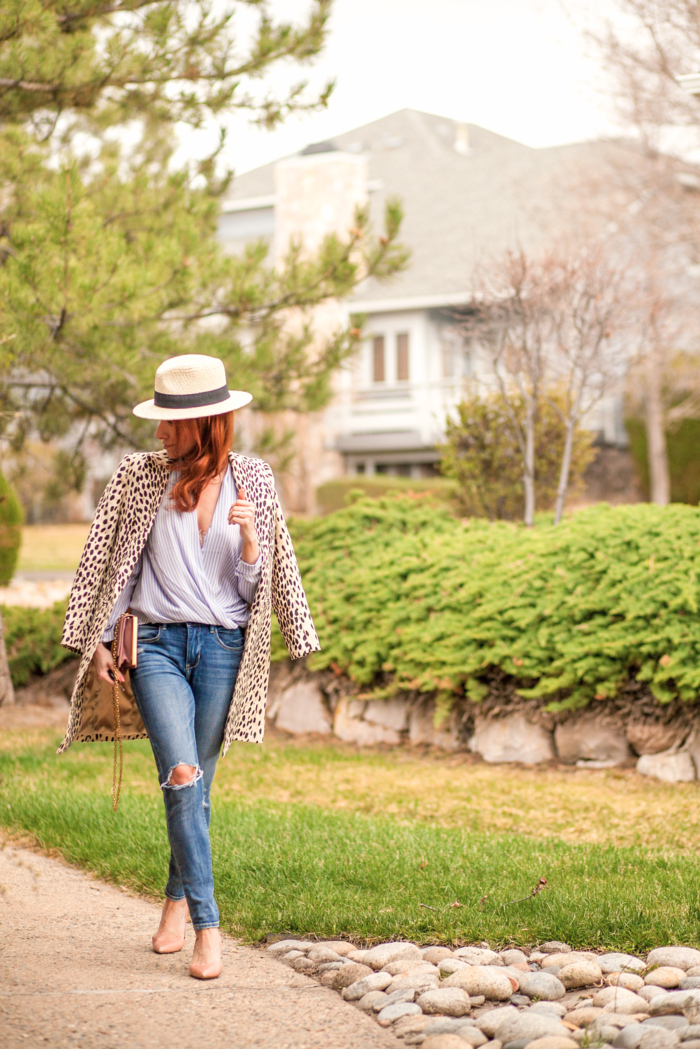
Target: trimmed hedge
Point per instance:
(33, 640)
(406, 597)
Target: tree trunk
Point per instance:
(659, 478)
(529, 471)
(564, 472)
(7, 692)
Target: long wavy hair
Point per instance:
(213, 437)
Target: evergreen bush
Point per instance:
(33, 640)
(10, 530)
(405, 597)
(683, 449)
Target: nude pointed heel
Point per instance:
(208, 969)
(165, 941)
(206, 972)
(165, 945)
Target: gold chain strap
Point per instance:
(116, 786)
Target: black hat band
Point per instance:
(190, 400)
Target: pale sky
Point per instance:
(517, 67)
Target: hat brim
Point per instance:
(236, 399)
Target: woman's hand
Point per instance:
(242, 513)
(104, 664)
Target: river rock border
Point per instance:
(302, 702)
(549, 998)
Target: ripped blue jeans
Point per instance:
(183, 684)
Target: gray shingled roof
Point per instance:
(458, 208)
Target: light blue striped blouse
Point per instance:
(179, 580)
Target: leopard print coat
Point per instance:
(122, 523)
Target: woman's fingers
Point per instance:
(104, 666)
(104, 675)
(242, 512)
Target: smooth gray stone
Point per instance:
(671, 1023)
(519, 999)
(555, 947)
(390, 1013)
(658, 1038)
(472, 1036)
(407, 994)
(543, 985)
(552, 969)
(490, 1021)
(445, 1001)
(290, 945)
(550, 1009)
(327, 967)
(448, 1025)
(518, 1043)
(679, 957)
(450, 965)
(675, 1002)
(692, 1032)
(527, 1024)
(616, 962)
(373, 1001)
(605, 1032)
(629, 1037)
(689, 982)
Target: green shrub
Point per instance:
(683, 448)
(10, 530)
(483, 457)
(334, 495)
(33, 640)
(407, 598)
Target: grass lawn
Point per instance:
(312, 838)
(51, 547)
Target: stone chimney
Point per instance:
(316, 194)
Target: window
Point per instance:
(402, 373)
(378, 369)
(456, 357)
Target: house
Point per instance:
(467, 194)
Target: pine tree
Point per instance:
(109, 261)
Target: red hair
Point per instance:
(213, 438)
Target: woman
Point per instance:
(193, 541)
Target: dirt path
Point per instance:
(76, 969)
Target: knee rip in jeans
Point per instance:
(182, 775)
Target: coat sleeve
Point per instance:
(288, 598)
(95, 557)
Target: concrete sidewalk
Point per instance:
(77, 969)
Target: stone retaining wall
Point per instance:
(302, 702)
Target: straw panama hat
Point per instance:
(191, 387)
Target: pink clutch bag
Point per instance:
(126, 639)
